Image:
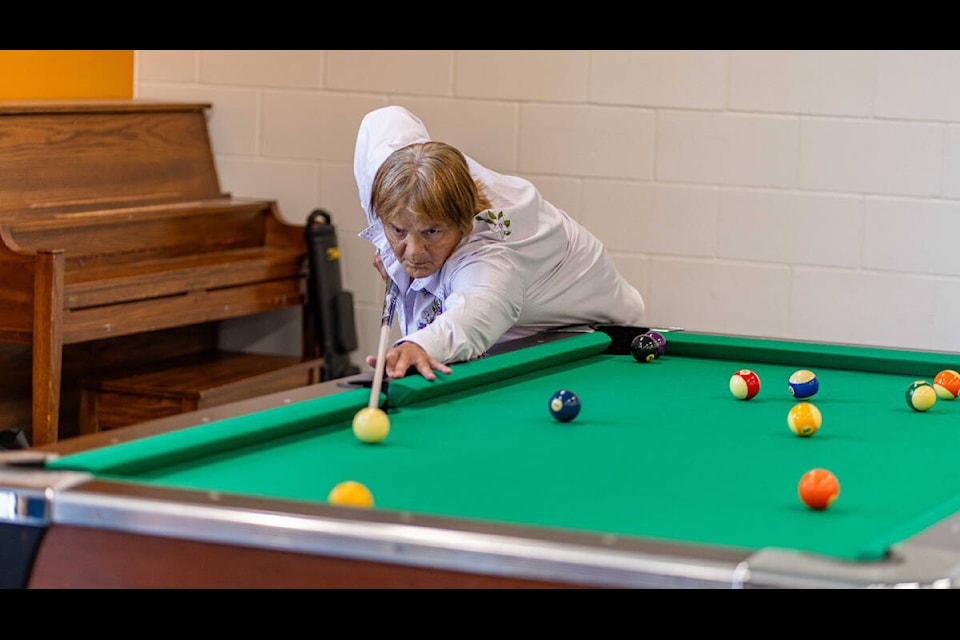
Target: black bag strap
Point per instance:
(331, 308)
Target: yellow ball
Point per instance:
(804, 419)
(351, 493)
(371, 425)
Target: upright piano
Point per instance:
(112, 224)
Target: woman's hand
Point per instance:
(399, 360)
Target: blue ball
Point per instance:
(564, 405)
(803, 384)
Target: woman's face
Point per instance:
(421, 246)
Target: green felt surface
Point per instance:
(660, 450)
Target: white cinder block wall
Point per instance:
(811, 195)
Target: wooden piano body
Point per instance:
(112, 223)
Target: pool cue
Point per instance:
(386, 323)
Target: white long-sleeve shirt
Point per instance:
(526, 267)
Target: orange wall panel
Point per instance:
(66, 74)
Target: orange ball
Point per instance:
(818, 488)
(351, 494)
(947, 384)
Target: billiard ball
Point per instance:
(803, 384)
(644, 347)
(661, 342)
(744, 384)
(351, 493)
(564, 405)
(371, 425)
(818, 488)
(921, 395)
(947, 384)
(804, 419)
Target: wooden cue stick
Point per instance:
(386, 322)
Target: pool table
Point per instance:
(663, 480)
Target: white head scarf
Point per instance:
(381, 133)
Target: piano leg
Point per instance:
(47, 346)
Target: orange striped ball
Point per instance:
(947, 384)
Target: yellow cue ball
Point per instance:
(350, 493)
(371, 425)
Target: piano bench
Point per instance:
(188, 384)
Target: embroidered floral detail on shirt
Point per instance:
(431, 314)
(499, 224)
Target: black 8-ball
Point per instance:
(644, 347)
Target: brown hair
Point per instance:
(432, 180)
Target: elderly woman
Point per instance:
(477, 257)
